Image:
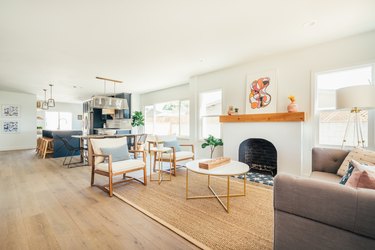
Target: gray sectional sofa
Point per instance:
(320, 213)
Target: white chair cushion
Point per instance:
(120, 166)
(97, 144)
(179, 155)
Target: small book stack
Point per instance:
(210, 164)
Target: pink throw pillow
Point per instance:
(361, 179)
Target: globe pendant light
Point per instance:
(51, 101)
(45, 103)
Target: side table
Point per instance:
(158, 155)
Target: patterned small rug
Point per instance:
(259, 178)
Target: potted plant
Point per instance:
(138, 120)
(213, 142)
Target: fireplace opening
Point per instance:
(260, 155)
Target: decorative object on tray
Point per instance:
(214, 163)
(12, 111)
(261, 92)
(230, 110)
(213, 143)
(293, 106)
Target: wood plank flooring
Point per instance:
(44, 205)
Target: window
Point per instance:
(209, 112)
(332, 123)
(168, 118)
(58, 120)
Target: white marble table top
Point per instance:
(231, 168)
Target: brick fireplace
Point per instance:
(259, 154)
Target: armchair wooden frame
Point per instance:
(109, 187)
(174, 160)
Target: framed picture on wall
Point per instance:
(11, 111)
(261, 92)
(10, 127)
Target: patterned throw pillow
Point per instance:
(361, 155)
(348, 173)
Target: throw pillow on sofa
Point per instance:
(361, 179)
(361, 155)
(348, 173)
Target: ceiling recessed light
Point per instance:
(310, 23)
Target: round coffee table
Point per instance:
(228, 170)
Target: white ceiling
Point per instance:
(153, 44)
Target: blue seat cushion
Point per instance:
(118, 153)
(174, 144)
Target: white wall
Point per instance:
(295, 72)
(26, 138)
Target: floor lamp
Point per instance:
(355, 99)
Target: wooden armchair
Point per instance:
(177, 153)
(110, 168)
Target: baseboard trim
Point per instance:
(17, 148)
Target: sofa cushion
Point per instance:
(120, 166)
(118, 153)
(361, 155)
(325, 176)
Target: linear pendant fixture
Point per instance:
(108, 102)
(45, 103)
(51, 101)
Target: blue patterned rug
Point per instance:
(259, 178)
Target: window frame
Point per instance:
(58, 120)
(200, 117)
(179, 116)
(315, 109)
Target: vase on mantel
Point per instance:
(292, 107)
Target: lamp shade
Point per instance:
(360, 96)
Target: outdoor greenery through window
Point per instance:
(168, 118)
(209, 112)
(332, 123)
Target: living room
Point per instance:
(206, 66)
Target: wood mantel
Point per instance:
(270, 117)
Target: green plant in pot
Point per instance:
(212, 142)
(138, 120)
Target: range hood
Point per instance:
(106, 102)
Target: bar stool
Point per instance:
(46, 147)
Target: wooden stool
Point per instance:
(38, 145)
(46, 147)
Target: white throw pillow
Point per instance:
(363, 156)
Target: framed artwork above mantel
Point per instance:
(261, 92)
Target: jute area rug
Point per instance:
(249, 225)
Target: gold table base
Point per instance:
(160, 170)
(215, 195)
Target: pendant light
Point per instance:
(51, 101)
(45, 103)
